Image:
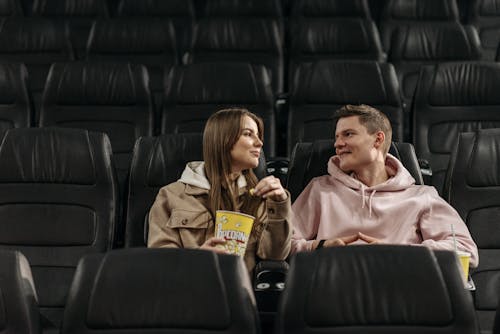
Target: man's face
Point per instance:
(354, 146)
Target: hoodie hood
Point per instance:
(194, 175)
(399, 177)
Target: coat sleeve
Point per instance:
(306, 219)
(435, 227)
(160, 235)
(275, 240)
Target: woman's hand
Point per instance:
(270, 187)
(215, 245)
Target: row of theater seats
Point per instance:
(375, 289)
(59, 199)
(450, 98)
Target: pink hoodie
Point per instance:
(396, 212)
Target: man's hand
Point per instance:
(215, 245)
(368, 239)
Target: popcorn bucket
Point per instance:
(235, 228)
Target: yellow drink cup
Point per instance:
(235, 228)
(464, 258)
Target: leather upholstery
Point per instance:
(484, 15)
(235, 8)
(158, 161)
(310, 159)
(257, 41)
(112, 98)
(323, 87)
(11, 8)
(147, 41)
(315, 38)
(180, 12)
(196, 91)
(452, 98)
(58, 201)
(18, 298)
(160, 291)
(330, 8)
(37, 43)
(15, 106)
(375, 289)
(473, 189)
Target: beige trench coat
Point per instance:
(179, 218)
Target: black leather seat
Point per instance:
(158, 161)
(37, 43)
(58, 201)
(323, 87)
(375, 289)
(453, 98)
(473, 189)
(310, 160)
(485, 16)
(109, 97)
(15, 105)
(18, 298)
(258, 41)
(196, 91)
(429, 43)
(147, 41)
(241, 8)
(330, 8)
(180, 12)
(77, 15)
(161, 291)
(315, 38)
(403, 13)
(11, 8)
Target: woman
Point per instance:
(183, 213)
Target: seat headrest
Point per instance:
(47, 155)
(80, 83)
(31, 35)
(169, 156)
(484, 169)
(127, 35)
(230, 8)
(464, 84)
(87, 8)
(421, 10)
(241, 34)
(161, 8)
(126, 289)
(342, 82)
(329, 8)
(385, 281)
(434, 41)
(10, 85)
(335, 36)
(219, 83)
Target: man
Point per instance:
(369, 197)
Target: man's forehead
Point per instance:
(346, 123)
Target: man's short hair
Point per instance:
(371, 118)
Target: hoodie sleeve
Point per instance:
(435, 227)
(306, 218)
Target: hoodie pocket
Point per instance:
(191, 226)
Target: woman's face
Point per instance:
(246, 151)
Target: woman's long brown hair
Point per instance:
(222, 131)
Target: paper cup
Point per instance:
(464, 258)
(235, 228)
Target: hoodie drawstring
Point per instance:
(370, 198)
